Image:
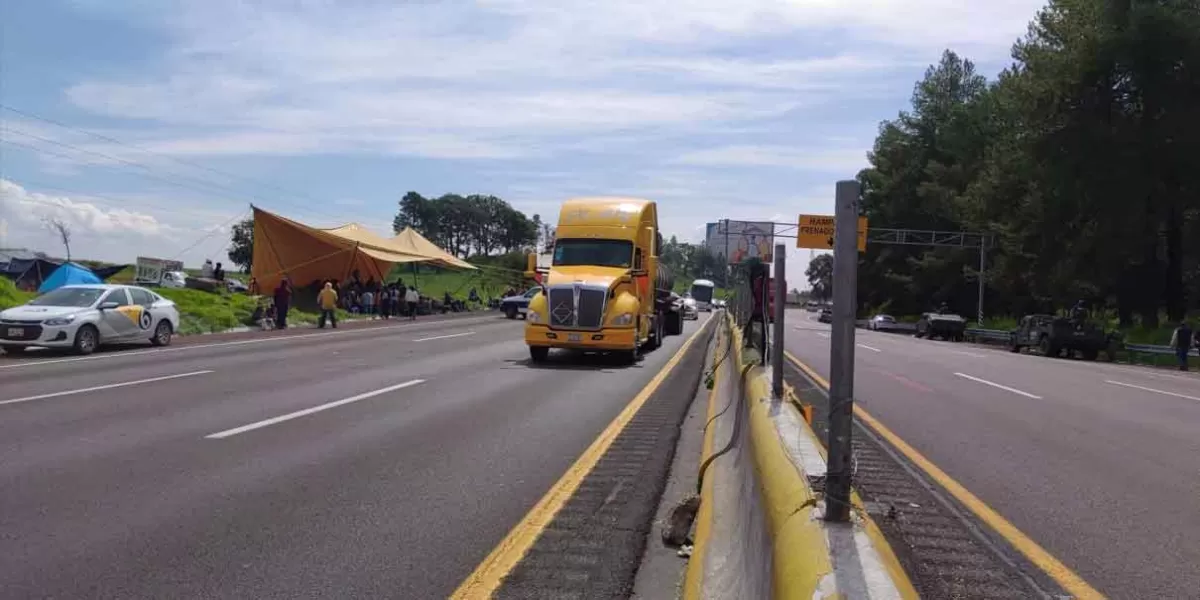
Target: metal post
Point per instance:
(728, 267)
(841, 355)
(777, 345)
(982, 266)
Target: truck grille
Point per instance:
(577, 306)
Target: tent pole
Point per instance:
(350, 265)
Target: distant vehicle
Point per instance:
(83, 317)
(518, 305)
(812, 306)
(702, 292)
(947, 326)
(236, 286)
(691, 308)
(826, 316)
(878, 322)
(173, 279)
(1053, 336)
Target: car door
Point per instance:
(146, 317)
(120, 322)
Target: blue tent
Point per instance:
(68, 274)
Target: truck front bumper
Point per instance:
(602, 340)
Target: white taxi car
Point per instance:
(82, 317)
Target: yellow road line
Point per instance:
(1061, 573)
(490, 573)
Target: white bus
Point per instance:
(702, 292)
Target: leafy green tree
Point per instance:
(241, 244)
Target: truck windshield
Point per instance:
(602, 253)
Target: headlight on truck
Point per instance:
(623, 320)
(533, 316)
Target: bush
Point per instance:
(10, 296)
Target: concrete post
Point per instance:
(780, 301)
(841, 372)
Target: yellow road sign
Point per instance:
(816, 231)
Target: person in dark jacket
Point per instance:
(1181, 340)
(283, 301)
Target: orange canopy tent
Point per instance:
(283, 247)
(411, 242)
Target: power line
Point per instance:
(149, 174)
(151, 152)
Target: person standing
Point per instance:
(368, 303)
(327, 299)
(283, 301)
(1181, 340)
(411, 297)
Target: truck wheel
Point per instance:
(510, 312)
(539, 353)
(1091, 354)
(1015, 348)
(631, 356)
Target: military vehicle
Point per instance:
(943, 324)
(1054, 336)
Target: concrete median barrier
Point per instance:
(760, 531)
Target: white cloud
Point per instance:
(101, 231)
(495, 79)
(839, 161)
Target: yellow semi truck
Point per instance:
(605, 289)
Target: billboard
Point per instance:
(742, 239)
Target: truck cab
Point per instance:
(604, 289)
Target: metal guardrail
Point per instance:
(989, 335)
(1155, 349)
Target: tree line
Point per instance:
(1081, 161)
(470, 225)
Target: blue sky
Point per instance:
(174, 116)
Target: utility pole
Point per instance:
(841, 355)
(982, 267)
(780, 298)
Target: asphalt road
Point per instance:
(1096, 462)
(380, 462)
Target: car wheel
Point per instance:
(87, 338)
(539, 353)
(510, 312)
(1091, 354)
(162, 334)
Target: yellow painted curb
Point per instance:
(800, 550)
(693, 582)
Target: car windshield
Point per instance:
(76, 297)
(603, 253)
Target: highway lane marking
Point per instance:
(998, 386)
(869, 348)
(1056, 569)
(102, 387)
(308, 411)
(1146, 389)
(233, 343)
(444, 337)
(907, 382)
(487, 577)
(971, 354)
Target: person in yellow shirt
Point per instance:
(327, 300)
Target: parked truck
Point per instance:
(604, 289)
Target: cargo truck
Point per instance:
(604, 289)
